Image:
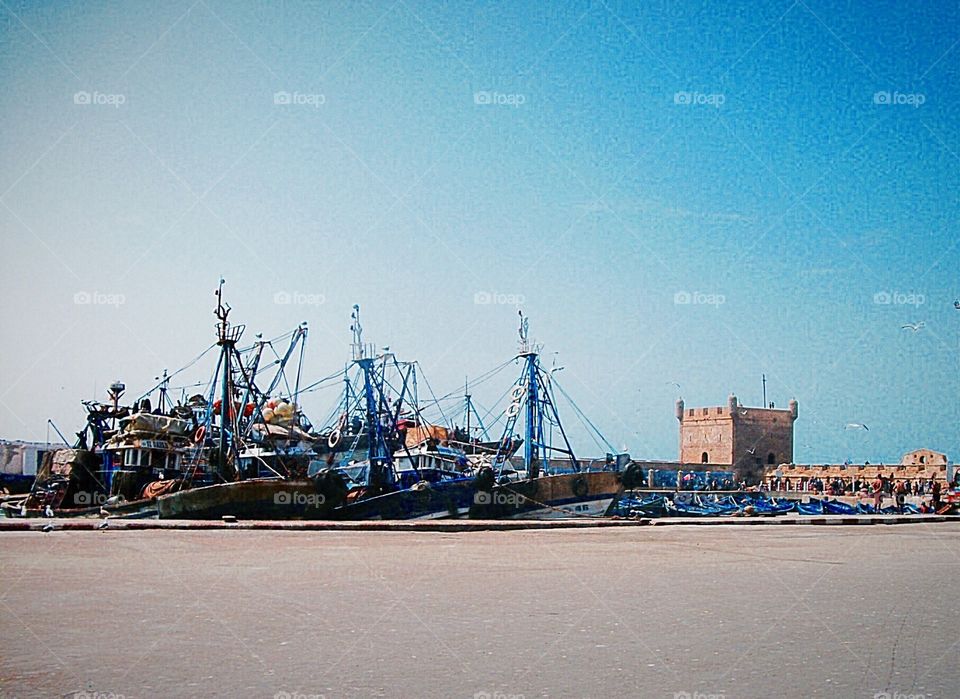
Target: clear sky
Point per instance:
(696, 193)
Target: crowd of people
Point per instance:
(878, 488)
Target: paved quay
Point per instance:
(453, 525)
(838, 611)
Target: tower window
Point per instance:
(704, 458)
(771, 458)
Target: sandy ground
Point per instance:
(671, 612)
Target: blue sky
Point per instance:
(676, 192)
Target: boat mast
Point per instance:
(532, 389)
(533, 427)
(164, 384)
(302, 331)
(466, 404)
(227, 338)
(379, 458)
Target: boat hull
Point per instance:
(442, 500)
(250, 499)
(586, 494)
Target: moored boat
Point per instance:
(534, 490)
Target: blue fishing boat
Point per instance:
(536, 488)
(814, 507)
(835, 507)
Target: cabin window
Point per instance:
(130, 457)
(771, 458)
(704, 458)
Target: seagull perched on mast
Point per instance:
(914, 326)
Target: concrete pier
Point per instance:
(634, 611)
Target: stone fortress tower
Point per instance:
(744, 438)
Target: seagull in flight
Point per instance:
(856, 426)
(916, 327)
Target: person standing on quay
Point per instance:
(935, 491)
(877, 492)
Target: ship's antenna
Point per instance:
(221, 312)
(163, 390)
(357, 331)
(524, 332)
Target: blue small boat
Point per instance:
(814, 507)
(835, 507)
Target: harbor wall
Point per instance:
(801, 473)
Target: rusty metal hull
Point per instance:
(257, 498)
(590, 493)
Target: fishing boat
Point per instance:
(262, 455)
(409, 468)
(120, 452)
(536, 490)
